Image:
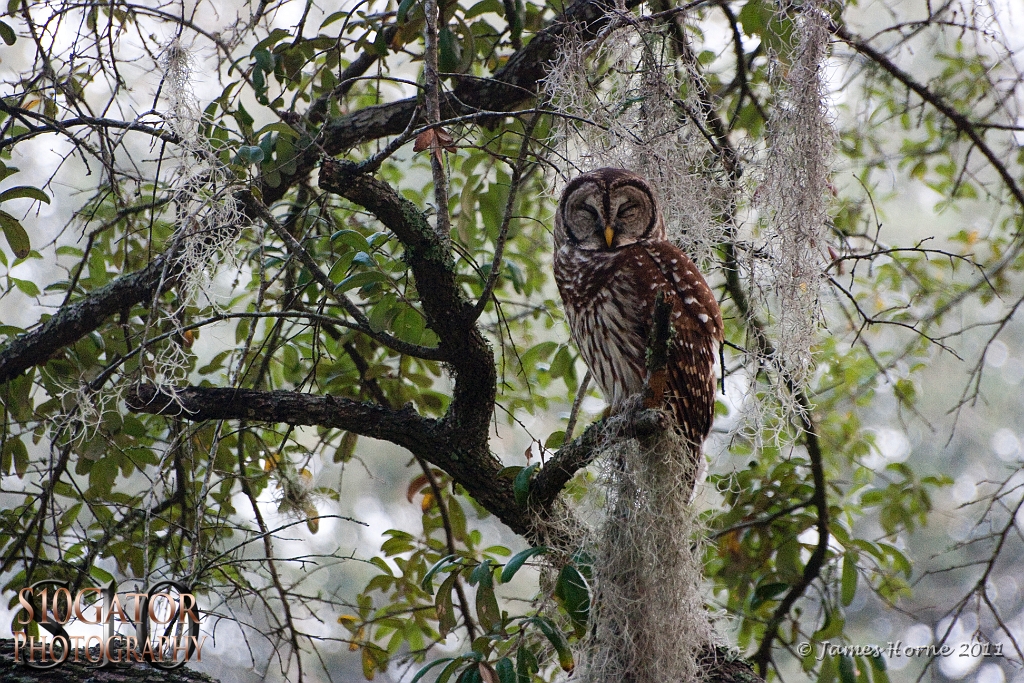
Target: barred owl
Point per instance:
(612, 257)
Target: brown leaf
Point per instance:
(445, 140)
(436, 140)
(835, 259)
(415, 486)
(488, 674)
(424, 140)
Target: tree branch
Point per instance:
(404, 427)
(507, 89)
(580, 452)
(962, 122)
(72, 322)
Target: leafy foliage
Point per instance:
(312, 292)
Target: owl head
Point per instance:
(607, 209)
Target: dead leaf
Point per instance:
(424, 140)
(415, 486)
(488, 674)
(436, 140)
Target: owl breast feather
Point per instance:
(608, 317)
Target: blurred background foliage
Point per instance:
(326, 552)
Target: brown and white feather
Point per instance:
(609, 291)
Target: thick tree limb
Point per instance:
(509, 87)
(79, 318)
(404, 427)
(448, 311)
(465, 429)
(512, 85)
(581, 451)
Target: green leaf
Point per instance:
(15, 234)
(481, 574)
(276, 36)
(409, 325)
(447, 672)
(28, 287)
(278, 126)
(24, 191)
(506, 670)
(487, 610)
(360, 279)
(483, 7)
(341, 267)
(557, 640)
(353, 239)
(833, 626)
(517, 561)
(428, 580)
(878, 669)
(827, 673)
(403, 10)
(449, 52)
(7, 33)
(573, 593)
(101, 575)
(437, 662)
(555, 439)
(287, 157)
(521, 485)
(380, 44)
(249, 154)
(443, 605)
(766, 592)
(754, 17)
(263, 59)
(526, 664)
(846, 669)
(382, 313)
(15, 455)
(849, 580)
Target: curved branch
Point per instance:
(581, 451)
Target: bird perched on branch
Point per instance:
(612, 260)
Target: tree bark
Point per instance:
(136, 672)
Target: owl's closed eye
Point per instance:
(612, 258)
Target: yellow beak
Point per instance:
(609, 235)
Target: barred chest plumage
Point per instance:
(612, 260)
(608, 329)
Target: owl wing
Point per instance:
(698, 332)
